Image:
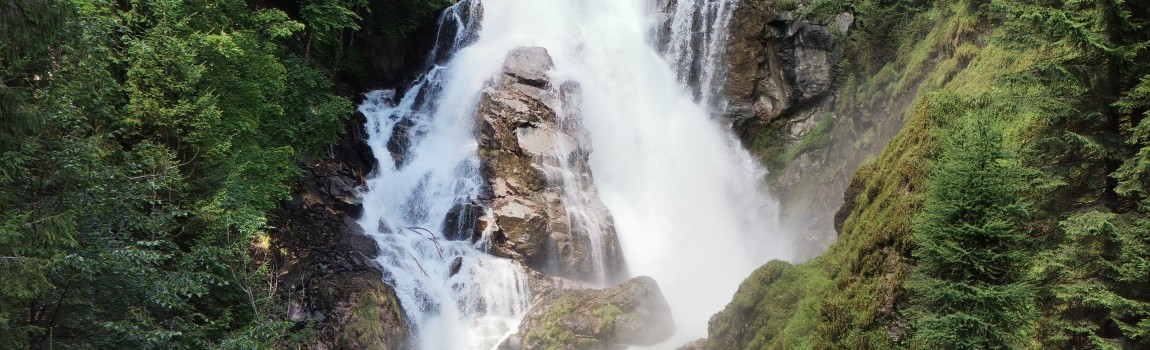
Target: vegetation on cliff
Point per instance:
(1065, 84)
(144, 145)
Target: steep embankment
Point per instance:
(1065, 104)
(322, 264)
(851, 295)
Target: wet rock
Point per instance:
(456, 265)
(529, 65)
(400, 140)
(383, 227)
(325, 266)
(632, 313)
(462, 222)
(523, 230)
(664, 16)
(532, 144)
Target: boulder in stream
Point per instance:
(534, 152)
(632, 313)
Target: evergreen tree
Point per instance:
(1094, 53)
(969, 285)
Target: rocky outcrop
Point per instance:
(632, 313)
(780, 87)
(324, 264)
(777, 65)
(534, 153)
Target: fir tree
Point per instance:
(969, 285)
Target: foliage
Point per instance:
(969, 288)
(399, 18)
(1097, 287)
(144, 144)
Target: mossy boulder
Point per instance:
(632, 313)
(375, 319)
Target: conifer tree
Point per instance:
(969, 286)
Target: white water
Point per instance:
(405, 207)
(686, 199)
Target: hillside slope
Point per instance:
(1064, 86)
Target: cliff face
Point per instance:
(779, 66)
(321, 260)
(781, 79)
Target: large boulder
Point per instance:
(529, 65)
(632, 313)
(534, 151)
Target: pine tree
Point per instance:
(969, 288)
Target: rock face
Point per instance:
(777, 65)
(534, 153)
(324, 264)
(632, 313)
(782, 100)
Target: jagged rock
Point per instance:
(780, 88)
(777, 65)
(843, 22)
(325, 265)
(664, 16)
(632, 313)
(529, 131)
(370, 316)
(400, 140)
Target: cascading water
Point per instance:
(686, 199)
(454, 295)
(696, 36)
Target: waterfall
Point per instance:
(697, 35)
(455, 296)
(687, 201)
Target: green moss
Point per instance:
(607, 315)
(552, 335)
(813, 140)
(367, 329)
